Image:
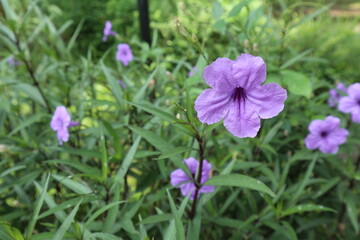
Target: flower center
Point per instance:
(124, 52)
(238, 94)
(358, 102)
(323, 134)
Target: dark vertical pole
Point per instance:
(144, 20)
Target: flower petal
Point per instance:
(355, 115)
(218, 75)
(316, 126)
(192, 164)
(60, 119)
(63, 135)
(354, 90)
(207, 189)
(347, 104)
(328, 148)
(242, 120)
(269, 98)
(211, 106)
(337, 136)
(312, 141)
(248, 71)
(178, 176)
(187, 188)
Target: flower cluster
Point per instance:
(123, 53)
(326, 135)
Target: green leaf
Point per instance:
(311, 16)
(237, 8)
(217, 10)
(220, 25)
(104, 236)
(306, 208)
(162, 115)
(66, 224)
(297, 83)
(157, 218)
(238, 180)
(74, 186)
(295, 59)
(91, 171)
(114, 85)
(101, 210)
(129, 157)
(352, 212)
(66, 204)
(39, 203)
(180, 232)
(31, 92)
(175, 151)
(29, 121)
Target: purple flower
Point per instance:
(336, 94)
(326, 135)
(351, 103)
(193, 71)
(121, 83)
(60, 123)
(187, 183)
(236, 94)
(108, 31)
(13, 62)
(124, 53)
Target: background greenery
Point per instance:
(111, 180)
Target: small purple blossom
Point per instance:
(193, 71)
(180, 179)
(326, 135)
(351, 103)
(124, 53)
(336, 94)
(60, 123)
(13, 62)
(108, 31)
(237, 96)
(121, 83)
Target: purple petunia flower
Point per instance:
(108, 31)
(236, 94)
(351, 103)
(193, 71)
(124, 53)
(326, 135)
(187, 183)
(60, 123)
(336, 94)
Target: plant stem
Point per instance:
(32, 75)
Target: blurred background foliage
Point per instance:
(107, 181)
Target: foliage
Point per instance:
(111, 179)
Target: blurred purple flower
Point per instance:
(336, 94)
(60, 123)
(187, 183)
(351, 103)
(236, 94)
(326, 135)
(121, 83)
(124, 53)
(108, 31)
(193, 71)
(13, 62)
